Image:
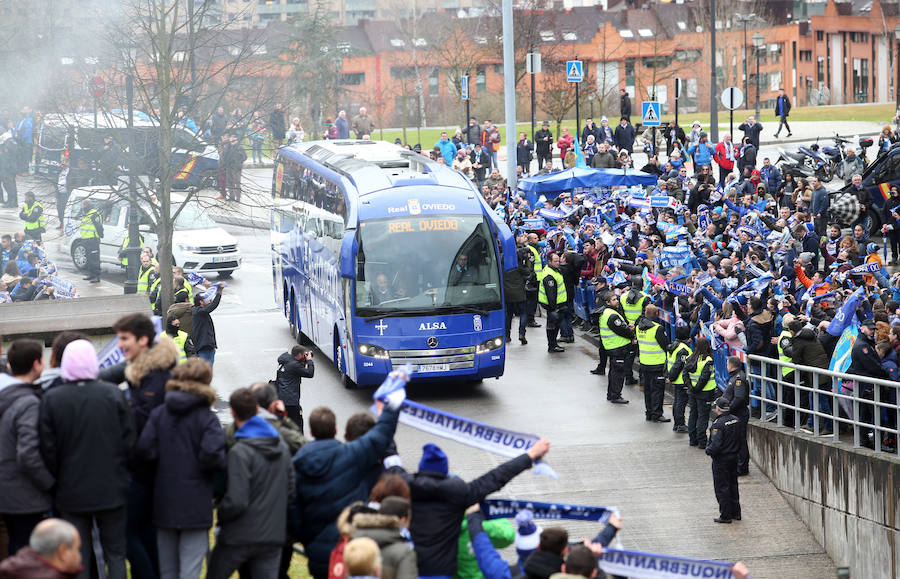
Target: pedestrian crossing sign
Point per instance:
(574, 71)
(650, 113)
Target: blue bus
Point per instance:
(382, 257)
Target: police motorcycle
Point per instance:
(813, 158)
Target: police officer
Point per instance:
(146, 275)
(701, 380)
(33, 215)
(181, 339)
(91, 231)
(737, 395)
(616, 337)
(633, 305)
(552, 295)
(531, 285)
(786, 354)
(123, 256)
(678, 353)
(652, 345)
(724, 442)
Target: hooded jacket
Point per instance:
(26, 480)
(398, 558)
(289, 378)
(260, 486)
(331, 475)
(807, 350)
(86, 435)
(147, 375)
(184, 439)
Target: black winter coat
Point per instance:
(864, 360)
(438, 504)
(147, 376)
(184, 439)
(86, 435)
(204, 335)
(26, 480)
(514, 279)
(330, 476)
(288, 382)
(260, 487)
(759, 333)
(807, 350)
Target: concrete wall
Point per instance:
(848, 497)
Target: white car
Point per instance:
(198, 243)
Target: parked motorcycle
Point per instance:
(819, 163)
(794, 164)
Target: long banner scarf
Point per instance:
(865, 268)
(508, 508)
(638, 564)
(493, 439)
(678, 289)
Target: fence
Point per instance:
(869, 404)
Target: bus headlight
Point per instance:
(373, 351)
(489, 345)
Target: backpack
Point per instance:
(336, 568)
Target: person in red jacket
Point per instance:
(725, 156)
(564, 142)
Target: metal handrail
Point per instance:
(876, 427)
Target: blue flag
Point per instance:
(579, 156)
(840, 360)
(847, 313)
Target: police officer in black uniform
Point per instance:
(616, 337)
(737, 395)
(723, 445)
(552, 295)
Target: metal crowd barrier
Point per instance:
(864, 415)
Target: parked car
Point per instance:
(198, 243)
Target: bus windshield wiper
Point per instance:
(453, 309)
(400, 313)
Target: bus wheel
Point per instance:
(340, 363)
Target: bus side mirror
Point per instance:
(508, 243)
(349, 247)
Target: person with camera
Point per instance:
(293, 367)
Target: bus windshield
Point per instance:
(426, 264)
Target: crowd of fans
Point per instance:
(27, 274)
(141, 469)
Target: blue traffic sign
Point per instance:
(574, 71)
(650, 113)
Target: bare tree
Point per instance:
(177, 70)
(536, 30)
(557, 96)
(315, 57)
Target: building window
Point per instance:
(859, 37)
(775, 52)
(433, 82)
(629, 72)
(403, 72)
(692, 55)
(353, 78)
(480, 79)
(861, 79)
(806, 55)
(820, 70)
(820, 35)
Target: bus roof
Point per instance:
(376, 165)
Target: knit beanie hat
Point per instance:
(528, 534)
(433, 459)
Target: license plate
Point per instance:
(219, 259)
(433, 368)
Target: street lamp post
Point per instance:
(744, 19)
(759, 42)
(897, 65)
